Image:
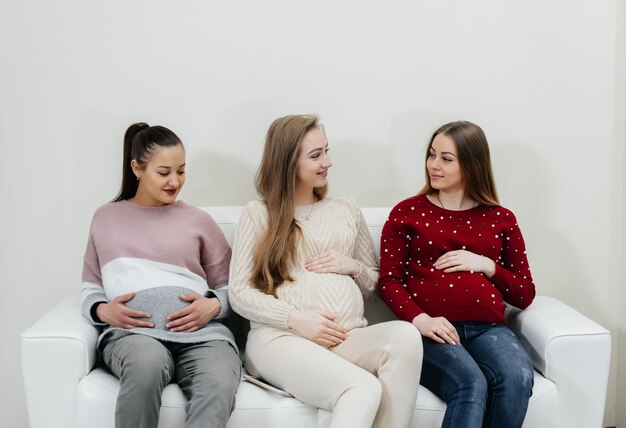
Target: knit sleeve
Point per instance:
(216, 254)
(245, 299)
(512, 277)
(365, 254)
(394, 255)
(92, 290)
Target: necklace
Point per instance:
(309, 213)
(440, 203)
(472, 205)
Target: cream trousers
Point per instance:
(371, 379)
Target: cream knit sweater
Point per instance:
(332, 223)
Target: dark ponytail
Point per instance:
(140, 140)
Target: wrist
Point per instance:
(291, 317)
(419, 318)
(490, 267)
(358, 267)
(96, 312)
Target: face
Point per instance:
(443, 165)
(313, 162)
(162, 178)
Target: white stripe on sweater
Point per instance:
(126, 274)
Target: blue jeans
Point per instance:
(486, 381)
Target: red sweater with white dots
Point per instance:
(418, 232)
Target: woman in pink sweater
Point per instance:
(154, 278)
(450, 258)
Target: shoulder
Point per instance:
(255, 208)
(410, 206)
(192, 212)
(503, 214)
(342, 201)
(196, 216)
(109, 211)
(341, 205)
(256, 212)
(499, 213)
(256, 205)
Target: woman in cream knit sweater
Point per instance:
(301, 265)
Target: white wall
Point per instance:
(539, 76)
(619, 257)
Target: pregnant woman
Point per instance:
(450, 258)
(301, 265)
(154, 278)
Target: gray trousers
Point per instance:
(208, 374)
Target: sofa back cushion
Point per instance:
(227, 217)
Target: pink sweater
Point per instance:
(158, 253)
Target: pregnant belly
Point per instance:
(339, 295)
(159, 302)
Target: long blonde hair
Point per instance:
(275, 182)
(474, 161)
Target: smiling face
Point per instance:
(443, 166)
(161, 178)
(313, 162)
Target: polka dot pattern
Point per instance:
(410, 245)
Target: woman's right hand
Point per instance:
(317, 326)
(438, 329)
(116, 314)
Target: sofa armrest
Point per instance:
(56, 353)
(570, 350)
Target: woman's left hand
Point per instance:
(194, 316)
(465, 261)
(332, 261)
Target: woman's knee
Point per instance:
(466, 383)
(404, 341)
(517, 381)
(473, 389)
(149, 363)
(366, 388)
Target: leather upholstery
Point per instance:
(64, 389)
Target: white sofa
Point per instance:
(64, 389)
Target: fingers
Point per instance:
(134, 323)
(323, 263)
(444, 334)
(454, 261)
(330, 337)
(330, 325)
(448, 259)
(125, 297)
(195, 315)
(328, 262)
(190, 297)
(135, 314)
(180, 313)
(330, 333)
(116, 314)
(181, 320)
(183, 325)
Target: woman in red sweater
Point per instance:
(450, 258)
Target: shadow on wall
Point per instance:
(223, 174)
(524, 186)
(383, 173)
(220, 180)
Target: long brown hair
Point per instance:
(275, 253)
(474, 161)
